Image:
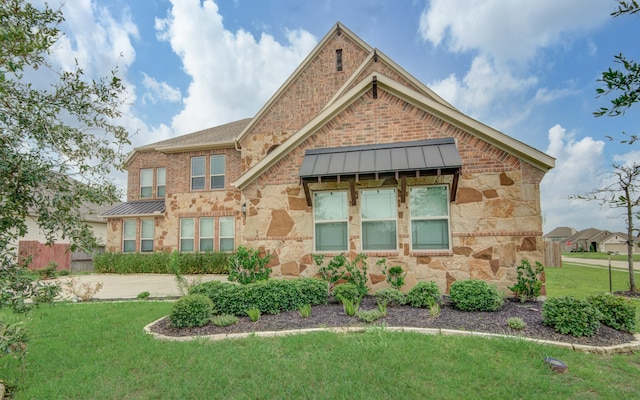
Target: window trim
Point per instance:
(447, 218)
(204, 173)
(221, 237)
(149, 187)
(394, 218)
(182, 237)
(223, 174)
(345, 221)
(151, 238)
(124, 236)
(158, 185)
(201, 237)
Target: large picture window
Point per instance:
(206, 234)
(146, 235)
(187, 234)
(379, 223)
(217, 172)
(330, 220)
(129, 236)
(227, 234)
(429, 208)
(146, 183)
(161, 182)
(197, 173)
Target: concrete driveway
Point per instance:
(128, 286)
(601, 263)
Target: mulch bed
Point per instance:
(333, 315)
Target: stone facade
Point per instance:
(494, 222)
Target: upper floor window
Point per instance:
(161, 181)
(128, 235)
(206, 234)
(197, 173)
(217, 171)
(330, 220)
(379, 222)
(227, 234)
(339, 60)
(187, 234)
(146, 235)
(429, 208)
(146, 183)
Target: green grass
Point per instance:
(601, 256)
(99, 351)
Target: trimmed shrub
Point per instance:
(390, 296)
(423, 294)
(346, 291)
(192, 310)
(159, 263)
(571, 316)
(615, 311)
(270, 297)
(475, 295)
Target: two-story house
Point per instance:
(351, 155)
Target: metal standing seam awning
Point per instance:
(381, 161)
(136, 208)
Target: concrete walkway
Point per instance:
(601, 263)
(129, 286)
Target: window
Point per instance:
(227, 234)
(161, 182)
(217, 172)
(128, 236)
(429, 207)
(206, 234)
(378, 209)
(330, 219)
(197, 173)
(187, 234)
(146, 183)
(339, 60)
(146, 235)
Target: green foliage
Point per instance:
(160, 263)
(434, 310)
(224, 320)
(305, 310)
(13, 340)
(271, 296)
(247, 266)
(46, 293)
(390, 296)
(615, 311)
(143, 295)
(516, 323)
(423, 294)
(382, 307)
(340, 268)
(48, 272)
(350, 306)
(191, 310)
(254, 314)
(395, 275)
(347, 291)
(475, 295)
(19, 290)
(332, 272)
(528, 285)
(571, 316)
(369, 316)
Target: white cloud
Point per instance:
(159, 91)
(232, 74)
(580, 168)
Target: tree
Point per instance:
(58, 141)
(623, 191)
(623, 82)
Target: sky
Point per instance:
(527, 68)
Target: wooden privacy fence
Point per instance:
(552, 254)
(60, 253)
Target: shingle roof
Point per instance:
(381, 158)
(561, 231)
(222, 134)
(140, 207)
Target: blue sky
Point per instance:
(526, 68)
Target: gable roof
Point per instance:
(561, 231)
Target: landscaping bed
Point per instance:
(333, 315)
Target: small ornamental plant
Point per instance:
(516, 323)
(529, 283)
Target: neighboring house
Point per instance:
(560, 235)
(351, 155)
(596, 240)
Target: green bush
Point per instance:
(616, 312)
(159, 263)
(423, 294)
(475, 295)
(516, 323)
(346, 291)
(390, 296)
(570, 316)
(270, 297)
(224, 320)
(247, 266)
(192, 310)
(369, 316)
(529, 283)
(340, 268)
